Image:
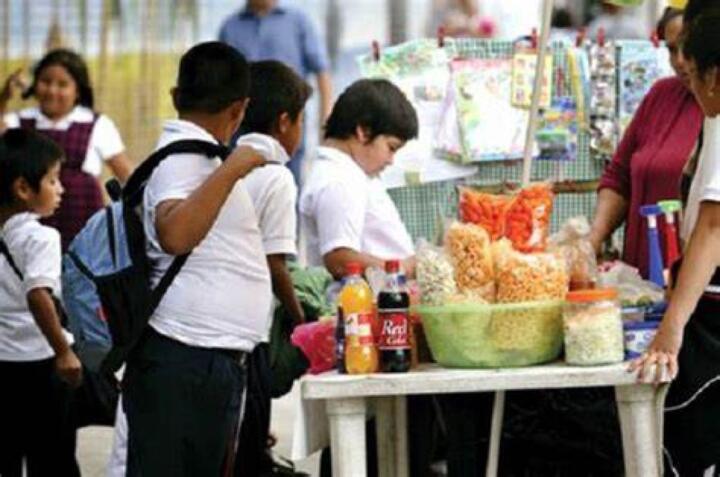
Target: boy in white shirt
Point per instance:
(184, 384)
(345, 211)
(34, 349)
(273, 126)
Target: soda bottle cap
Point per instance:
(353, 268)
(392, 266)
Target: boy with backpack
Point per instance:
(37, 365)
(185, 380)
(273, 126)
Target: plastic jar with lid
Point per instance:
(593, 327)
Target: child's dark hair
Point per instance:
(694, 8)
(76, 68)
(668, 16)
(376, 105)
(702, 41)
(274, 89)
(25, 154)
(211, 77)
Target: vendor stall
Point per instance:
(513, 137)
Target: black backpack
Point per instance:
(106, 273)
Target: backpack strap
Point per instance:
(4, 251)
(133, 191)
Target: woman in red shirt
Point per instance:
(649, 161)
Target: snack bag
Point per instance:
(572, 243)
(485, 210)
(527, 223)
(524, 277)
(435, 275)
(469, 248)
(317, 342)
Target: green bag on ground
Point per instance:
(288, 362)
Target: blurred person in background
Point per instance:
(64, 113)
(268, 30)
(648, 164)
(619, 23)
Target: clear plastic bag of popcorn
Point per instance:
(435, 275)
(522, 277)
(469, 248)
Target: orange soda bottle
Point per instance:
(356, 300)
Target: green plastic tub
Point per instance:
(494, 336)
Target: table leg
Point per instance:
(491, 469)
(402, 465)
(386, 433)
(640, 429)
(391, 428)
(347, 436)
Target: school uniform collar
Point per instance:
(344, 160)
(188, 130)
(79, 114)
(267, 146)
(246, 13)
(17, 220)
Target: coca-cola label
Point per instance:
(358, 329)
(394, 332)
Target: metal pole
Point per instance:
(537, 89)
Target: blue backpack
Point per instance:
(106, 286)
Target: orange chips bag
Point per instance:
(527, 223)
(485, 210)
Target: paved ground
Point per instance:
(94, 443)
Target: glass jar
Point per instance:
(593, 327)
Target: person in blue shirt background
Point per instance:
(267, 30)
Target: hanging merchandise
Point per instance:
(603, 103)
(557, 134)
(640, 65)
(419, 69)
(491, 127)
(579, 70)
(523, 79)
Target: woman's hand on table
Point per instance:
(661, 358)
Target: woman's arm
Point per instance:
(610, 213)
(702, 257)
(120, 166)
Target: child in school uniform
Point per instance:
(37, 366)
(184, 384)
(273, 126)
(65, 113)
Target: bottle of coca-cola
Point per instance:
(393, 304)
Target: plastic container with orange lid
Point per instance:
(593, 327)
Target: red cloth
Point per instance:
(648, 163)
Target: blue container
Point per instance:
(638, 336)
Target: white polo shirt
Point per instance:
(105, 141)
(706, 181)
(342, 207)
(274, 195)
(35, 249)
(221, 297)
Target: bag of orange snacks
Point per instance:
(485, 210)
(523, 218)
(527, 220)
